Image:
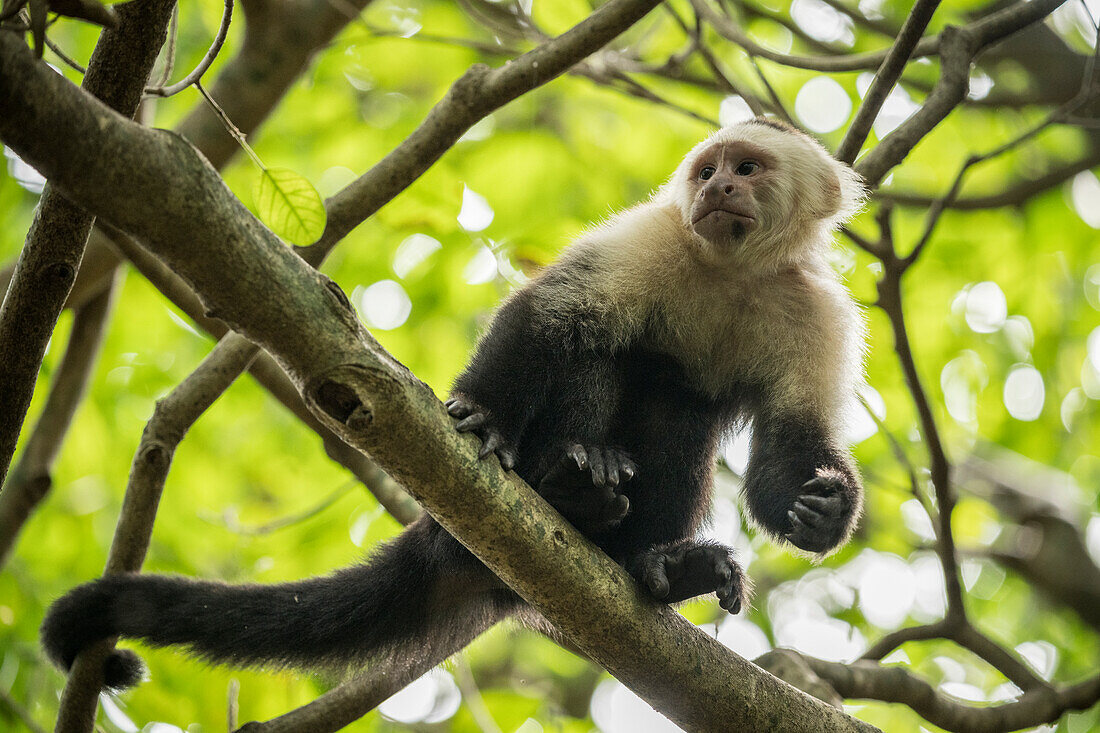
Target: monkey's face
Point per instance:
(727, 181)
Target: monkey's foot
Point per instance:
(822, 515)
(473, 418)
(677, 572)
(585, 485)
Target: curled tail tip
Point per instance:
(122, 669)
(79, 619)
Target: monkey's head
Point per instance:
(763, 191)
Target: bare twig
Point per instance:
(50, 258)
(65, 58)
(291, 519)
(212, 53)
(958, 48)
(172, 418)
(871, 681)
(849, 62)
(471, 695)
(478, 92)
(30, 479)
(886, 77)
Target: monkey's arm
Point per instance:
(508, 379)
(799, 485)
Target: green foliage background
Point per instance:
(549, 164)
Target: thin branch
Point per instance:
(620, 81)
(831, 64)
(212, 53)
(695, 35)
(958, 48)
(172, 418)
(1059, 115)
(894, 639)
(65, 58)
(903, 459)
(886, 77)
(1000, 659)
(872, 681)
(30, 479)
(289, 520)
(889, 299)
(51, 256)
(169, 52)
(1014, 195)
(477, 93)
(471, 695)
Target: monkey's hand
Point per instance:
(674, 573)
(473, 418)
(823, 514)
(585, 485)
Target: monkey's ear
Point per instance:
(840, 194)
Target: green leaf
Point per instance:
(289, 205)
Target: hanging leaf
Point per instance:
(289, 205)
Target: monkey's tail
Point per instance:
(423, 587)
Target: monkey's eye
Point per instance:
(747, 168)
(706, 173)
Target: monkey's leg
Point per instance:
(674, 573)
(799, 485)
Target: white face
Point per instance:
(758, 192)
(727, 185)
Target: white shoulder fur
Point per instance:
(774, 315)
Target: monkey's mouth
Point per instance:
(725, 214)
(722, 225)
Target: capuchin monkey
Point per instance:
(607, 383)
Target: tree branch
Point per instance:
(958, 48)
(47, 266)
(885, 78)
(30, 480)
(869, 680)
(473, 96)
(173, 417)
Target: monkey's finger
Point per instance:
(457, 407)
(473, 422)
(812, 517)
(599, 472)
(628, 469)
(823, 504)
(796, 524)
(507, 458)
(616, 509)
(612, 468)
(729, 597)
(492, 442)
(654, 575)
(820, 485)
(580, 455)
(723, 570)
